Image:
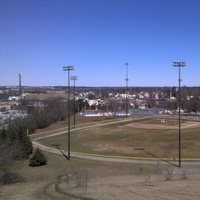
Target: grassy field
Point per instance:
(111, 180)
(39, 182)
(122, 139)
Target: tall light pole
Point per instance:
(20, 91)
(126, 93)
(179, 65)
(74, 78)
(68, 68)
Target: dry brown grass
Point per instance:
(122, 139)
(108, 180)
(39, 181)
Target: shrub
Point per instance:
(10, 178)
(38, 159)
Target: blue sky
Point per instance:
(39, 37)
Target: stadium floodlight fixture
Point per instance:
(74, 78)
(68, 68)
(179, 65)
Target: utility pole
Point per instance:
(179, 65)
(68, 68)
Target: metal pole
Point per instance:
(74, 78)
(68, 68)
(68, 115)
(126, 93)
(74, 107)
(179, 114)
(179, 65)
(20, 92)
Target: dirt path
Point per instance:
(159, 126)
(136, 188)
(110, 188)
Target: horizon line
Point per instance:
(92, 86)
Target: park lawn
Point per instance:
(121, 140)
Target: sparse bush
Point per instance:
(184, 173)
(168, 173)
(38, 159)
(10, 178)
(146, 173)
(147, 178)
(82, 178)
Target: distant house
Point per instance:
(91, 113)
(141, 96)
(124, 95)
(157, 96)
(93, 102)
(13, 98)
(168, 112)
(146, 95)
(142, 106)
(181, 110)
(5, 106)
(172, 98)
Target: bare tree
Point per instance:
(184, 173)
(168, 173)
(146, 173)
(83, 177)
(158, 171)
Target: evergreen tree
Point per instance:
(16, 140)
(3, 135)
(26, 144)
(38, 159)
